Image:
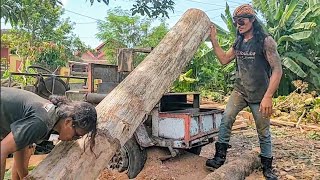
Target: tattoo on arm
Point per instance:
(272, 54)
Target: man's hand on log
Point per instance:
(213, 33)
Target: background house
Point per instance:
(97, 55)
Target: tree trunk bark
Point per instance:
(238, 169)
(124, 109)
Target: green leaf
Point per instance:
(294, 67)
(301, 58)
(316, 10)
(279, 11)
(291, 11)
(228, 67)
(305, 25)
(220, 29)
(303, 15)
(147, 12)
(188, 73)
(295, 36)
(224, 19)
(229, 20)
(315, 73)
(315, 77)
(301, 35)
(313, 2)
(296, 11)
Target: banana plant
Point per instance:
(185, 82)
(295, 25)
(207, 69)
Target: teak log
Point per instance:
(124, 109)
(238, 169)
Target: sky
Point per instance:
(86, 16)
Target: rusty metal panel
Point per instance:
(188, 125)
(218, 119)
(172, 128)
(207, 123)
(90, 78)
(194, 126)
(123, 75)
(107, 73)
(106, 87)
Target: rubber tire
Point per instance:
(36, 67)
(60, 87)
(137, 157)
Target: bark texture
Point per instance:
(238, 169)
(124, 109)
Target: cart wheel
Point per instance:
(45, 88)
(39, 69)
(195, 150)
(130, 158)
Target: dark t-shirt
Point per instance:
(28, 116)
(253, 72)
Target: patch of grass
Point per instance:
(314, 135)
(7, 175)
(278, 132)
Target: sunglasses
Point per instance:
(240, 19)
(76, 135)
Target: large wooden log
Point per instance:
(238, 169)
(121, 112)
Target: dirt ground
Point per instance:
(296, 156)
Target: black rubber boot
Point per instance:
(267, 168)
(219, 157)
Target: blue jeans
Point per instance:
(235, 104)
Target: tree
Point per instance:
(13, 11)
(152, 8)
(45, 38)
(121, 30)
(294, 24)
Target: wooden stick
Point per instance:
(292, 124)
(300, 118)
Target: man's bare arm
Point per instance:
(273, 58)
(275, 64)
(223, 57)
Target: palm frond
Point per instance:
(294, 67)
(301, 58)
